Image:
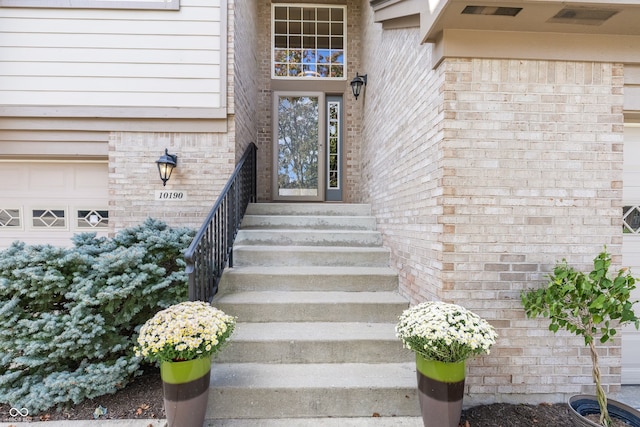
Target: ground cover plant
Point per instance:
(69, 316)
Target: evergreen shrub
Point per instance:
(69, 316)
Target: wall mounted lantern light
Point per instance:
(166, 163)
(357, 83)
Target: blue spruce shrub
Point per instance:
(69, 316)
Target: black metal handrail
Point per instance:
(211, 249)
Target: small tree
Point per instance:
(590, 305)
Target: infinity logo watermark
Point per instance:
(15, 412)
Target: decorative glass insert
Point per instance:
(10, 218)
(631, 219)
(333, 136)
(309, 41)
(93, 219)
(49, 218)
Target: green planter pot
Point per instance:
(440, 390)
(186, 391)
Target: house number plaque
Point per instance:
(174, 196)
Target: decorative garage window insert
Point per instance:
(93, 219)
(309, 41)
(631, 219)
(49, 218)
(10, 218)
(95, 4)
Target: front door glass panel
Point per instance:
(298, 150)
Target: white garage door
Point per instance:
(631, 248)
(48, 202)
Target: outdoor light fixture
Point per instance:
(357, 83)
(166, 163)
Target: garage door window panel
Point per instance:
(631, 219)
(49, 218)
(10, 218)
(88, 218)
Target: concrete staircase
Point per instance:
(315, 342)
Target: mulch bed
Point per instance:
(507, 415)
(143, 399)
(140, 399)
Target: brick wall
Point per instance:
(352, 142)
(402, 157)
(483, 174)
(205, 162)
(264, 117)
(532, 166)
(243, 57)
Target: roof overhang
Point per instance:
(543, 29)
(614, 17)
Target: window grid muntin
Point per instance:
(631, 219)
(92, 218)
(333, 145)
(10, 218)
(320, 30)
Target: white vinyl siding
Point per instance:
(101, 4)
(114, 58)
(631, 251)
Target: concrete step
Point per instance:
(287, 278)
(317, 209)
(314, 342)
(254, 390)
(310, 255)
(324, 222)
(336, 306)
(370, 421)
(288, 237)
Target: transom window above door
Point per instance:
(309, 41)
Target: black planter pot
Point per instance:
(582, 405)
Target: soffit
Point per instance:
(619, 17)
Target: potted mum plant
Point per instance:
(443, 336)
(183, 338)
(589, 305)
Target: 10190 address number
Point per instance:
(171, 195)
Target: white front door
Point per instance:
(50, 201)
(631, 248)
